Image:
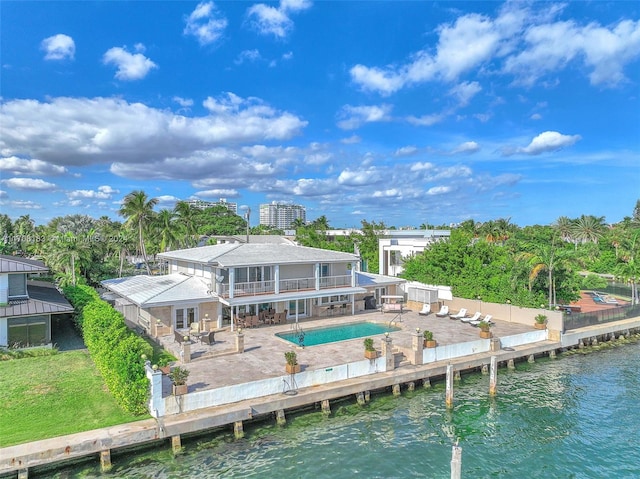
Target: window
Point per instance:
(186, 316)
(17, 285)
(28, 331)
(325, 270)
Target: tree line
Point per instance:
(494, 260)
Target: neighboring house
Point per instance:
(399, 244)
(27, 307)
(230, 279)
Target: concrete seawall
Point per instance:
(16, 460)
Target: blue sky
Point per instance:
(401, 112)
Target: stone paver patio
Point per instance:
(263, 355)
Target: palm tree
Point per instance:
(165, 227)
(68, 254)
(629, 269)
(545, 257)
(564, 227)
(137, 208)
(186, 216)
(589, 228)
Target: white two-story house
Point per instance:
(224, 281)
(26, 307)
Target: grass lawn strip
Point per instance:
(50, 396)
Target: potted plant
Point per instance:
(292, 362)
(541, 321)
(369, 351)
(179, 377)
(485, 327)
(429, 342)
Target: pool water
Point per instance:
(332, 334)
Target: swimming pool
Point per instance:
(332, 334)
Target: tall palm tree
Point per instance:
(68, 255)
(545, 257)
(137, 208)
(187, 219)
(166, 229)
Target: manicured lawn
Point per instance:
(50, 396)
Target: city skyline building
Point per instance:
(281, 215)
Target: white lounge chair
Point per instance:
(444, 311)
(475, 317)
(460, 314)
(426, 309)
(486, 319)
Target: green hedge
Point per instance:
(114, 348)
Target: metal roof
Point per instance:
(147, 291)
(269, 298)
(370, 279)
(15, 264)
(44, 298)
(233, 255)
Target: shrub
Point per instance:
(428, 336)
(114, 348)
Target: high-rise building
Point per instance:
(202, 205)
(281, 215)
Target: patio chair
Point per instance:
(486, 319)
(426, 310)
(194, 329)
(475, 317)
(208, 339)
(280, 318)
(444, 312)
(460, 314)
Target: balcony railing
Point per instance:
(256, 288)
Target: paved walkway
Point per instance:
(264, 351)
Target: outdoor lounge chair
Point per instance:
(486, 319)
(444, 312)
(208, 339)
(426, 309)
(475, 317)
(460, 314)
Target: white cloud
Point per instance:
(353, 139)
(268, 20)
(438, 190)
(25, 204)
(205, 23)
(60, 131)
(406, 151)
(28, 184)
(3, 194)
(536, 116)
(131, 66)
(104, 192)
(420, 166)
(546, 142)
(465, 91)
(427, 120)
(553, 46)
(520, 41)
(59, 47)
(183, 102)
(248, 55)
(217, 193)
(367, 176)
(167, 200)
(287, 56)
(22, 166)
(466, 147)
(352, 117)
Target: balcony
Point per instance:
(257, 288)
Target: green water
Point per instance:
(332, 334)
(572, 417)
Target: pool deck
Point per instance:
(263, 355)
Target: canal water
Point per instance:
(571, 417)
